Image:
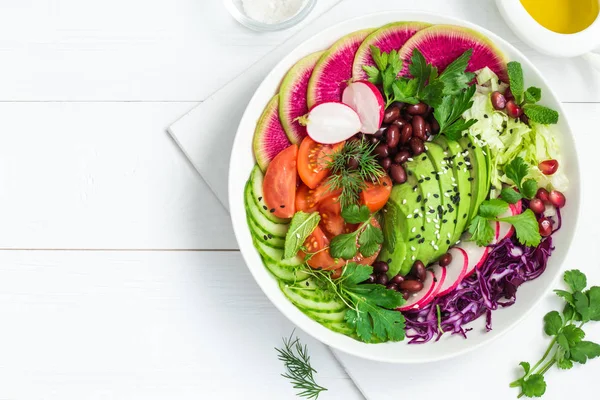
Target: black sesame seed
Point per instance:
(282, 206)
(465, 215)
(389, 260)
(447, 241)
(423, 228)
(409, 172)
(265, 237)
(454, 221)
(470, 195)
(424, 158)
(422, 240)
(416, 215)
(419, 198)
(420, 180)
(471, 179)
(260, 198)
(437, 177)
(307, 284)
(425, 201)
(485, 116)
(444, 221)
(431, 211)
(418, 236)
(385, 184)
(422, 208)
(272, 210)
(427, 178)
(437, 196)
(265, 207)
(460, 163)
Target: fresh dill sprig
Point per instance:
(299, 371)
(351, 168)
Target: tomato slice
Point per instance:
(316, 243)
(279, 185)
(312, 161)
(331, 216)
(308, 199)
(375, 195)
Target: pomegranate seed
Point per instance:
(537, 206)
(557, 199)
(545, 226)
(508, 94)
(543, 195)
(513, 110)
(498, 100)
(548, 167)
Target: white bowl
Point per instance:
(242, 161)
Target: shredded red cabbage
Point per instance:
(495, 284)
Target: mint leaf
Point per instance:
(552, 323)
(481, 231)
(529, 188)
(541, 114)
(301, 226)
(526, 228)
(354, 273)
(492, 208)
(576, 280)
(584, 350)
(534, 386)
(353, 214)
(516, 170)
(369, 240)
(510, 195)
(515, 77)
(343, 246)
(533, 95)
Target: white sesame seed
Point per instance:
(428, 220)
(458, 241)
(416, 211)
(404, 201)
(298, 235)
(433, 243)
(413, 258)
(423, 176)
(421, 215)
(446, 195)
(409, 159)
(436, 247)
(409, 216)
(467, 163)
(449, 234)
(465, 170)
(454, 184)
(428, 195)
(437, 236)
(445, 153)
(437, 226)
(453, 179)
(437, 221)
(413, 248)
(413, 229)
(484, 153)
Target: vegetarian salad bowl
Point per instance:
(404, 186)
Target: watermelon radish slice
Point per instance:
(387, 38)
(455, 271)
(442, 44)
(331, 122)
(504, 229)
(364, 98)
(269, 137)
(334, 69)
(292, 96)
(475, 254)
(414, 302)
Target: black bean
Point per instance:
(382, 279)
(380, 267)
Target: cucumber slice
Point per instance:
(256, 180)
(286, 274)
(264, 236)
(252, 209)
(340, 327)
(327, 317)
(304, 296)
(276, 255)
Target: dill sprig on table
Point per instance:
(299, 371)
(351, 168)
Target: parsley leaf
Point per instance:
(584, 350)
(481, 231)
(420, 70)
(594, 298)
(526, 228)
(573, 334)
(389, 226)
(515, 77)
(373, 74)
(354, 274)
(567, 296)
(576, 280)
(552, 323)
(534, 386)
(405, 90)
(353, 214)
(510, 195)
(529, 188)
(564, 363)
(492, 208)
(526, 366)
(301, 226)
(454, 77)
(541, 114)
(449, 113)
(343, 246)
(369, 237)
(369, 240)
(582, 305)
(516, 170)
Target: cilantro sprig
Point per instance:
(528, 98)
(369, 237)
(516, 171)
(449, 93)
(567, 345)
(525, 224)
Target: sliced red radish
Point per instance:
(440, 275)
(414, 302)
(518, 207)
(364, 98)
(504, 229)
(475, 254)
(331, 122)
(455, 271)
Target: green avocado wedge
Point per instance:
(475, 163)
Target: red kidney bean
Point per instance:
(397, 173)
(498, 100)
(416, 145)
(557, 199)
(391, 114)
(416, 109)
(398, 279)
(379, 132)
(402, 156)
(353, 163)
(405, 294)
(382, 279)
(386, 163)
(545, 226)
(435, 126)
(543, 195)
(392, 135)
(393, 151)
(380, 267)
(406, 133)
(428, 131)
(382, 150)
(428, 112)
(418, 124)
(399, 123)
(374, 140)
(392, 286)
(411, 286)
(513, 110)
(537, 206)
(445, 260)
(418, 270)
(548, 167)
(371, 278)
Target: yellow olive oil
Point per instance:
(563, 16)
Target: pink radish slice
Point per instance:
(332, 122)
(414, 301)
(440, 275)
(518, 207)
(364, 98)
(504, 229)
(455, 271)
(475, 254)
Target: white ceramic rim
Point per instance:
(543, 39)
(253, 24)
(242, 160)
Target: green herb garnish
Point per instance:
(368, 236)
(449, 113)
(301, 226)
(516, 171)
(567, 345)
(298, 369)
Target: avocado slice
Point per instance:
(450, 196)
(428, 207)
(400, 218)
(476, 164)
(456, 158)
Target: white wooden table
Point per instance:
(119, 274)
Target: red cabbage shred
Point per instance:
(508, 266)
